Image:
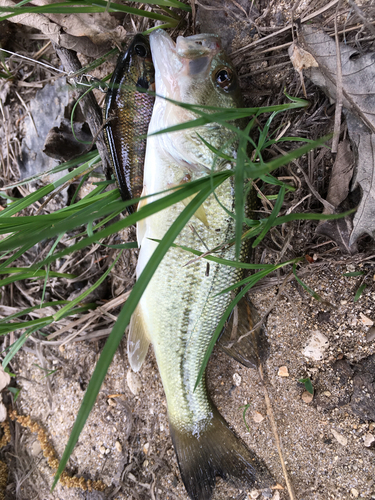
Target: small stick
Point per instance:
(338, 109)
(276, 434)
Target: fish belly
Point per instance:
(182, 304)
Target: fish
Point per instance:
(182, 304)
(127, 113)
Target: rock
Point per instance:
(354, 492)
(365, 320)
(370, 336)
(4, 378)
(3, 412)
(134, 382)
(368, 440)
(118, 446)
(316, 346)
(254, 494)
(36, 448)
(258, 417)
(237, 379)
(341, 439)
(283, 371)
(307, 397)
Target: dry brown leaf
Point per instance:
(98, 31)
(339, 230)
(99, 27)
(301, 59)
(358, 75)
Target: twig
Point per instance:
(359, 13)
(290, 26)
(338, 109)
(276, 434)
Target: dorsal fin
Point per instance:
(138, 340)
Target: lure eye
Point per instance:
(140, 50)
(224, 77)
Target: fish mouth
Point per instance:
(175, 63)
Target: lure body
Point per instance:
(127, 113)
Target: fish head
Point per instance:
(194, 70)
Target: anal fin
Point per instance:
(138, 340)
(251, 350)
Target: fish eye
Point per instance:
(224, 77)
(140, 50)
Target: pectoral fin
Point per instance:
(138, 340)
(200, 213)
(251, 350)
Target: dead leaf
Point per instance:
(301, 59)
(339, 230)
(358, 74)
(82, 44)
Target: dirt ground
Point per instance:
(328, 444)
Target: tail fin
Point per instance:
(216, 452)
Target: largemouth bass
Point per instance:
(127, 113)
(182, 305)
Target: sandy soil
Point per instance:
(323, 441)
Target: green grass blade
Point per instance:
(239, 182)
(271, 219)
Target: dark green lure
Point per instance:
(127, 113)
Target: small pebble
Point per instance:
(341, 439)
(111, 402)
(370, 336)
(257, 417)
(145, 463)
(372, 426)
(307, 397)
(237, 379)
(118, 446)
(276, 496)
(283, 371)
(146, 447)
(36, 448)
(102, 449)
(327, 393)
(254, 494)
(365, 320)
(354, 492)
(316, 346)
(369, 440)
